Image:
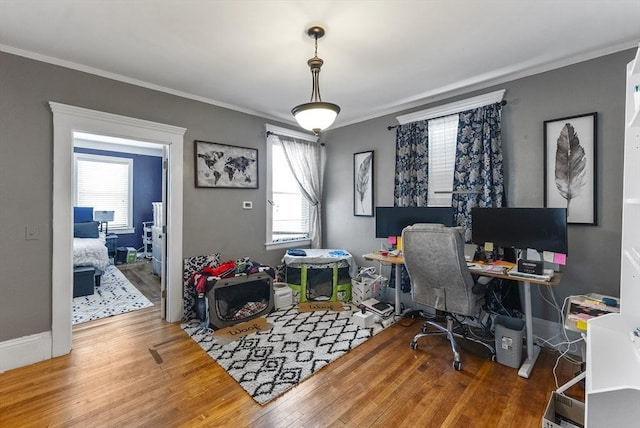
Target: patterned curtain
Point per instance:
(478, 179)
(412, 168)
(412, 165)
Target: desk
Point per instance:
(532, 350)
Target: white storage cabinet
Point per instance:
(613, 356)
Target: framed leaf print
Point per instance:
(363, 184)
(570, 167)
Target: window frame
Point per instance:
(270, 139)
(80, 156)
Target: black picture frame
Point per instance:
(363, 184)
(570, 167)
(225, 166)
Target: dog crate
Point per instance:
(239, 298)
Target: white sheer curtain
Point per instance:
(306, 160)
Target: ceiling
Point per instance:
(380, 56)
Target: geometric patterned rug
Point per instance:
(115, 295)
(268, 363)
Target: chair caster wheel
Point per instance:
(457, 365)
(414, 345)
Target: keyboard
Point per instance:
(548, 274)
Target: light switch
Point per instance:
(31, 233)
(247, 205)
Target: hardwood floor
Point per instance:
(141, 275)
(136, 370)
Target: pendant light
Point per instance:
(315, 115)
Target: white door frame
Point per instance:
(66, 120)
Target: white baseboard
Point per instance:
(25, 350)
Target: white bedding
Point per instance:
(90, 252)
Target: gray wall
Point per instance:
(214, 219)
(592, 86)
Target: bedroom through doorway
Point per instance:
(123, 183)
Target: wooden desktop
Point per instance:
(533, 350)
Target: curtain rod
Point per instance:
(269, 133)
(390, 127)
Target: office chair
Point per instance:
(434, 258)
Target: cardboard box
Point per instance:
(132, 255)
(563, 412)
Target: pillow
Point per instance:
(88, 229)
(82, 214)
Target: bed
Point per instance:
(89, 245)
(90, 252)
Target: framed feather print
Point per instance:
(363, 184)
(570, 167)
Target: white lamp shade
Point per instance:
(316, 116)
(103, 216)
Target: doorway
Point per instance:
(67, 120)
(126, 178)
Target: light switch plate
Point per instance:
(247, 205)
(31, 233)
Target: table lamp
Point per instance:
(104, 217)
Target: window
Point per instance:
(288, 213)
(106, 183)
(443, 124)
(442, 152)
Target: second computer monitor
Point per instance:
(542, 229)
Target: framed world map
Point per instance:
(225, 166)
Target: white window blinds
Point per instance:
(442, 152)
(105, 183)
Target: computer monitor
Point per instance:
(542, 229)
(391, 220)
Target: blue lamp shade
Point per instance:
(103, 216)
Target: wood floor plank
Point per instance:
(112, 378)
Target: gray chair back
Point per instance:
(434, 258)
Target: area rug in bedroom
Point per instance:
(115, 295)
(268, 363)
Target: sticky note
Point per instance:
(560, 258)
(488, 246)
(391, 240)
(547, 256)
